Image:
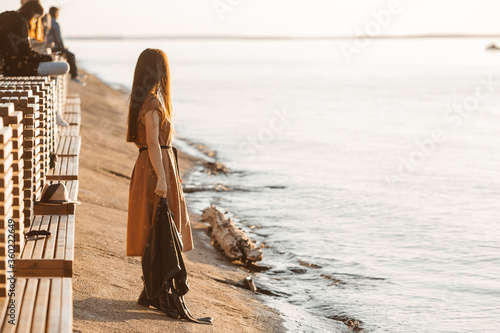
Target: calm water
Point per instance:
(384, 172)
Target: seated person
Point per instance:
(18, 56)
(55, 41)
(39, 43)
(35, 33)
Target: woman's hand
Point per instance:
(152, 122)
(161, 188)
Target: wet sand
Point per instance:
(107, 283)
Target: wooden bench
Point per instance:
(69, 146)
(71, 130)
(39, 122)
(66, 169)
(73, 99)
(44, 88)
(35, 154)
(72, 114)
(72, 188)
(49, 256)
(41, 305)
(43, 290)
(73, 118)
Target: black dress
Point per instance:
(18, 56)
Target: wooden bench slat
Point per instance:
(64, 166)
(69, 168)
(26, 312)
(60, 145)
(70, 240)
(41, 306)
(61, 239)
(20, 286)
(50, 242)
(39, 247)
(75, 166)
(67, 144)
(74, 148)
(4, 301)
(73, 192)
(67, 306)
(55, 306)
(29, 246)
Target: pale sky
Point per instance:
(272, 17)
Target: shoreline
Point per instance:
(106, 282)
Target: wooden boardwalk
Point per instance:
(36, 272)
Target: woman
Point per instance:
(18, 56)
(155, 173)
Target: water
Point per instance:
(362, 168)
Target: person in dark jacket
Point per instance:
(54, 40)
(18, 56)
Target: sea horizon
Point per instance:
(277, 37)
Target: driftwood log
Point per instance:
(226, 236)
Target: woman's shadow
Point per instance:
(112, 310)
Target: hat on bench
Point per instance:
(55, 194)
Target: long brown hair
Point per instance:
(152, 75)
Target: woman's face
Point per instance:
(36, 16)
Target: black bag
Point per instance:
(164, 273)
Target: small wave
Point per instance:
(306, 264)
(334, 280)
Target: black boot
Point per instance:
(144, 301)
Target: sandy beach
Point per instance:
(107, 283)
